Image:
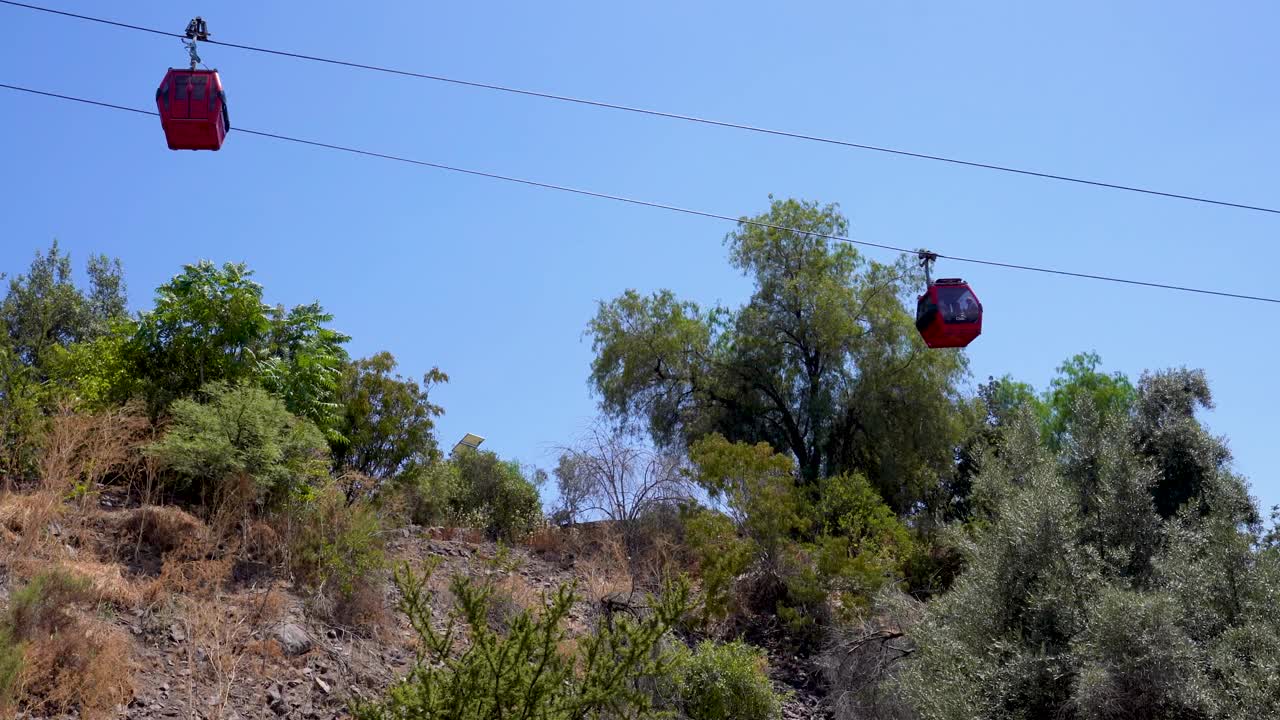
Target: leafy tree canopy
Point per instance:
(387, 422)
(822, 362)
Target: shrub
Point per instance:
(11, 657)
(724, 682)
(430, 493)
(242, 434)
(721, 556)
(525, 669)
(337, 551)
(498, 495)
(40, 607)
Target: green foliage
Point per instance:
(724, 682)
(21, 420)
(304, 364)
(432, 493)
(44, 309)
(497, 494)
(721, 556)
(95, 374)
(813, 558)
(42, 314)
(1079, 599)
(756, 486)
(11, 662)
(387, 423)
(336, 547)
(467, 670)
(863, 545)
(823, 362)
(242, 434)
(1079, 382)
(208, 325)
(40, 607)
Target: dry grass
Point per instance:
(605, 570)
(158, 529)
(107, 583)
(471, 536)
(34, 525)
(549, 541)
(80, 450)
(217, 649)
(70, 660)
(86, 666)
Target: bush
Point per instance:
(337, 547)
(40, 607)
(724, 682)
(242, 434)
(11, 657)
(497, 495)
(721, 556)
(525, 668)
(430, 494)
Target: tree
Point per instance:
(44, 309)
(823, 361)
(304, 364)
(43, 314)
(208, 325)
(610, 474)
(1190, 461)
(387, 423)
(1079, 599)
(1078, 381)
(756, 487)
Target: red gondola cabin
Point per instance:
(193, 109)
(948, 314)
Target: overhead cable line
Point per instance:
(670, 115)
(651, 204)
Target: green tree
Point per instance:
(242, 439)
(43, 314)
(44, 309)
(1079, 381)
(208, 325)
(823, 361)
(1081, 599)
(304, 365)
(386, 426)
(756, 486)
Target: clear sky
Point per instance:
(495, 282)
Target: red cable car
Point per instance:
(192, 104)
(948, 314)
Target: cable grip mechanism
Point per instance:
(197, 30)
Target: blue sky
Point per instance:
(494, 282)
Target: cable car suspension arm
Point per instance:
(927, 259)
(197, 30)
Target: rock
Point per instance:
(177, 633)
(293, 639)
